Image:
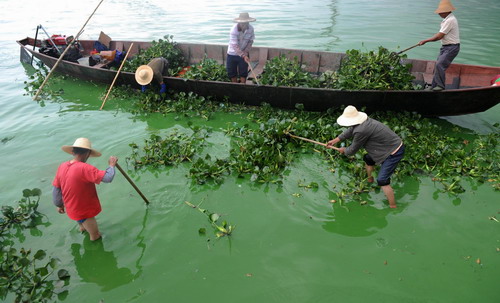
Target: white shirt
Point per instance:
(240, 42)
(449, 27)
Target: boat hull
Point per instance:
(428, 103)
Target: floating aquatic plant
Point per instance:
(29, 277)
(221, 229)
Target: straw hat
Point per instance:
(144, 75)
(351, 116)
(81, 143)
(444, 7)
(243, 18)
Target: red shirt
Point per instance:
(77, 183)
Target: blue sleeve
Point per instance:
(110, 174)
(57, 197)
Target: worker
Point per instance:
(241, 38)
(383, 146)
(450, 43)
(157, 69)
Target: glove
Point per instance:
(143, 88)
(163, 88)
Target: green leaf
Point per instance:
(40, 254)
(36, 192)
(27, 193)
(63, 274)
(214, 217)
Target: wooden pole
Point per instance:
(131, 183)
(406, 49)
(116, 76)
(253, 73)
(62, 55)
(312, 141)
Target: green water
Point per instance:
(284, 248)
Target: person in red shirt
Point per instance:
(74, 189)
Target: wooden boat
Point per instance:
(467, 91)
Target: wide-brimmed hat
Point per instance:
(444, 7)
(351, 116)
(81, 143)
(243, 18)
(144, 75)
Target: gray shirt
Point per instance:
(160, 68)
(378, 140)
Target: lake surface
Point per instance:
(285, 248)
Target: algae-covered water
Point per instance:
(290, 243)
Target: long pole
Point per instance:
(116, 76)
(131, 183)
(62, 55)
(312, 141)
(34, 44)
(253, 73)
(407, 49)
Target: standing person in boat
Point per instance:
(450, 41)
(157, 69)
(241, 38)
(74, 189)
(382, 145)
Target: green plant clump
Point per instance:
(221, 230)
(209, 70)
(380, 70)
(281, 71)
(29, 277)
(167, 49)
(169, 151)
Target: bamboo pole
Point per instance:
(312, 141)
(62, 55)
(116, 76)
(253, 73)
(131, 183)
(407, 49)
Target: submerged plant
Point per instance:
(222, 229)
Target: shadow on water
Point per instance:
(96, 265)
(356, 220)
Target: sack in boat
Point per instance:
(119, 56)
(108, 55)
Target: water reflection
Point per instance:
(96, 265)
(330, 31)
(356, 220)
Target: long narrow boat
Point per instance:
(467, 91)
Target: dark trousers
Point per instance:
(446, 55)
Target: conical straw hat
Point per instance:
(351, 116)
(144, 74)
(444, 7)
(81, 143)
